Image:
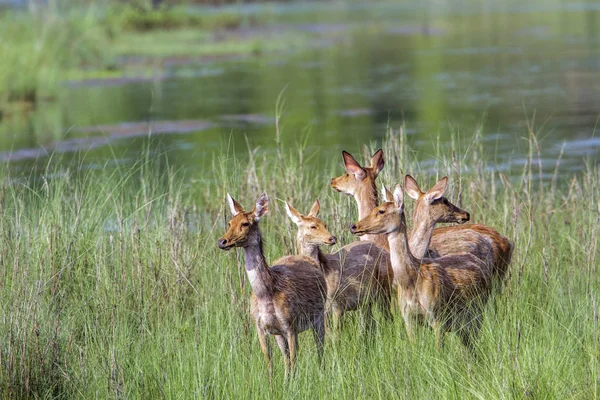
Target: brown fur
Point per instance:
(359, 182)
(358, 276)
(448, 292)
(502, 247)
(287, 298)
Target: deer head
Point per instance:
(432, 206)
(358, 178)
(311, 230)
(244, 225)
(386, 218)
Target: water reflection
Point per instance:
(442, 69)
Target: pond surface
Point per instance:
(441, 70)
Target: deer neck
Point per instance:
(308, 249)
(313, 251)
(405, 266)
(366, 200)
(420, 236)
(258, 271)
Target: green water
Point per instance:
(444, 70)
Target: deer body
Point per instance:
(358, 276)
(287, 298)
(501, 247)
(447, 292)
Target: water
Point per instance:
(440, 69)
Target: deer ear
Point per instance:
(261, 207)
(386, 194)
(234, 206)
(412, 187)
(316, 207)
(352, 166)
(294, 215)
(399, 197)
(437, 191)
(377, 161)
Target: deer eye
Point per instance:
(313, 227)
(245, 223)
(381, 212)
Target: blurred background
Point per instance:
(99, 77)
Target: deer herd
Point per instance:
(442, 276)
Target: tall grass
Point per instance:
(112, 286)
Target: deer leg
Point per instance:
(292, 339)
(399, 298)
(439, 336)
(409, 318)
(408, 325)
(470, 331)
(384, 304)
(327, 317)
(319, 335)
(285, 350)
(437, 328)
(265, 346)
(336, 318)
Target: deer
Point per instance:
(358, 276)
(448, 292)
(288, 297)
(430, 208)
(359, 181)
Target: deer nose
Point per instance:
(222, 243)
(333, 240)
(467, 216)
(353, 228)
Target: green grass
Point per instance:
(112, 286)
(38, 49)
(192, 42)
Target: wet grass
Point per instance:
(112, 286)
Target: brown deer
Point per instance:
(448, 292)
(288, 297)
(359, 182)
(358, 276)
(364, 191)
(431, 208)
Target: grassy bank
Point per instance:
(42, 49)
(112, 285)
